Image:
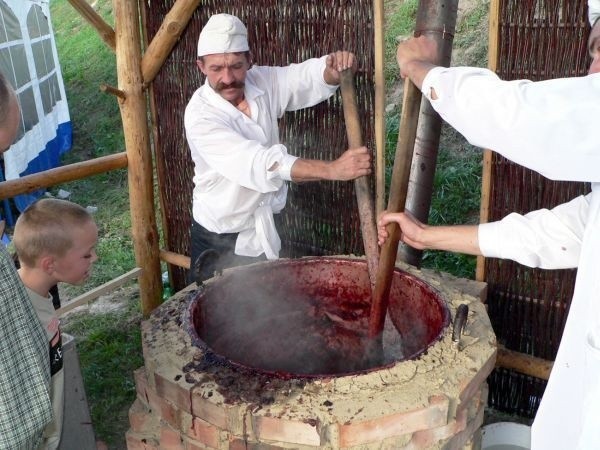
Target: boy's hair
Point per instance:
(45, 228)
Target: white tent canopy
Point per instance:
(28, 58)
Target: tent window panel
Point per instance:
(54, 89)
(11, 23)
(28, 109)
(37, 48)
(6, 66)
(37, 23)
(50, 93)
(19, 60)
(3, 36)
(49, 57)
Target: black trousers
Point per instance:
(212, 252)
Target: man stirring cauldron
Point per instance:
(551, 127)
(240, 167)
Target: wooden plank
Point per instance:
(486, 175)
(95, 20)
(523, 363)
(58, 175)
(175, 259)
(98, 291)
(166, 37)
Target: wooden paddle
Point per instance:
(366, 208)
(399, 186)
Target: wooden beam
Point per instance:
(137, 143)
(113, 90)
(486, 174)
(523, 363)
(94, 19)
(175, 259)
(378, 29)
(98, 291)
(64, 174)
(166, 37)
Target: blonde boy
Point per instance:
(55, 242)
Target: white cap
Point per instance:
(593, 11)
(223, 33)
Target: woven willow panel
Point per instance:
(538, 40)
(320, 218)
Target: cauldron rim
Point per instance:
(213, 357)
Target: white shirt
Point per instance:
(234, 192)
(551, 127)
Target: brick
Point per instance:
(465, 437)
(204, 432)
(427, 438)
(192, 444)
(178, 392)
(208, 411)
(154, 401)
(240, 444)
(137, 441)
(430, 416)
(140, 418)
(281, 430)
(141, 384)
(170, 439)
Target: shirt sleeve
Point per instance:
(300, 85)
(546, 126)
(548, 239)
(243, 161)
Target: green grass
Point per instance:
(109, 346)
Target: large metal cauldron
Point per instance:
(308, 318)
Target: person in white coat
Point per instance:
(240, 166)
(551, 127)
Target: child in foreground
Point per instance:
(55, 242)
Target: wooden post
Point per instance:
(486, 175)
(439, 23)
(94, 19)
(139, 156)
(166, 37)
(63, 174)
(378, 27)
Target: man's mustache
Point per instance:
(236, 84)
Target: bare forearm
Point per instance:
(352, 164)
(305, 170)
(455, 238)
(416, 71)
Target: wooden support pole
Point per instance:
(379, 53)
(439, 23)
(486, 174)
(94, 19)
(166, 37)
(523, 363)
(175, 259)
(64, 174)
(139, 155)
(113, 90)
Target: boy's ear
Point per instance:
(47, 264)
